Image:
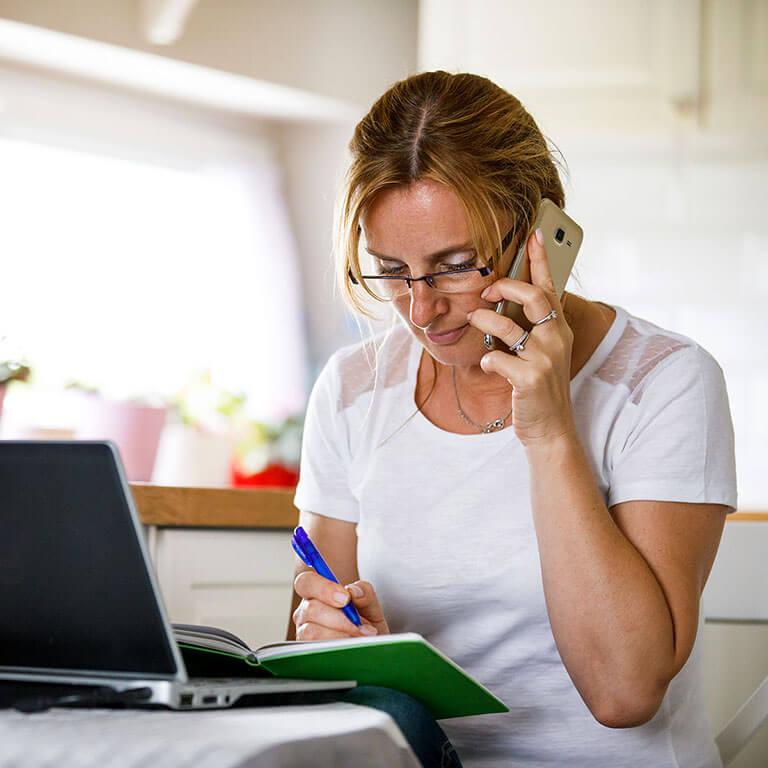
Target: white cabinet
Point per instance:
(593, 65)
(737, 587)
(735, 663)
(735, 67)
(735, 640)
(598, 66)
(240, 580)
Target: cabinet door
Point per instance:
(585, 67)
(737, 587)
(735, 663)
(237, 580)
(736, 66)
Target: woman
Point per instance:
(546, 517)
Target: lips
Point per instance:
(447, 337)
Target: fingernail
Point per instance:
(340, 598)
(367, 629)
(485, 292)
(484, 362)
(469, 315)
(355, 590)
(540, 236)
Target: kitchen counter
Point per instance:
(160, 505)
(248, 507)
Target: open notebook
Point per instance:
(405, 662)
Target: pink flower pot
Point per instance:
(134, 428)
(190, 456)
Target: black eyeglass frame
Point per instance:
(430, 278)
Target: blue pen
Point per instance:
(307, 551)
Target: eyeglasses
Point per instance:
(460, 279)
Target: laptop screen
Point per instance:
(75, 593)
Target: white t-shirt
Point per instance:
(446, 535)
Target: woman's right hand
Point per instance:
(319, 615)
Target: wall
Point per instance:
(312, 159)
(674, 233)
(349, 49)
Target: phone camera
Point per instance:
(560, 235)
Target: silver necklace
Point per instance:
(491, 426)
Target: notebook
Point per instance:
(404, 661)
(79, 603)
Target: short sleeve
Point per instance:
(676, 436)
(325, 459)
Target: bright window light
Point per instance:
(132, 277)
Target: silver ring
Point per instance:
(519, 345)
(551, 316)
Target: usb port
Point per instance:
(210, 699)
(185, 700)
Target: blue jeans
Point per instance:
(420, 729)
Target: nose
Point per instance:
(426, 304)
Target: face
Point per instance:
(422, 228)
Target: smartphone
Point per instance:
(562, 240)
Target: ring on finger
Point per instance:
(551, 316)
(519, 345)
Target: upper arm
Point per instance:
(679, 542)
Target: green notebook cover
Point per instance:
(405, 662)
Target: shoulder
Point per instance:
(380, 362)
(666, 432)
(646, 355)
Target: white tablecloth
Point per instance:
(337, 735)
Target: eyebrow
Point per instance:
(430, 257)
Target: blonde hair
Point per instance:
(463, 131)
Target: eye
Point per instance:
(465, 260)
(391, 268)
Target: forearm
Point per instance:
(608, 613)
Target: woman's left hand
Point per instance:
(540, 373)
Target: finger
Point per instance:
(365, 600)
(503, 328)
(503, 364)
(310, 631)
(316, 612)
(541, 275)
(309, 584)
(535, 301)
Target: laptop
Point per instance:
(79, 603)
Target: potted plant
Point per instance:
(196, 444)
(133, 425)
(12, 368)
(267, 454)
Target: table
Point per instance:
(335, 734)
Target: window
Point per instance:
(131, 270)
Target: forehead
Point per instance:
(422, 217)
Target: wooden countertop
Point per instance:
(748, 517)
(215, 507)
(247, 507)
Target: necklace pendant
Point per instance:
(493, 426)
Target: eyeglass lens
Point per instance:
(381, 284)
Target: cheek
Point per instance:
(403, 307)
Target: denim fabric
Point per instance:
(425, 736)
